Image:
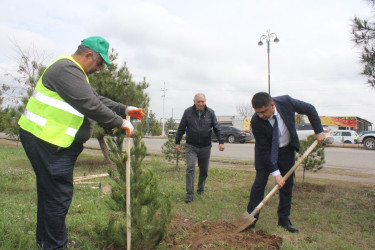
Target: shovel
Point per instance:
(246, 219)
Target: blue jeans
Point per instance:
(192, 155)
(53, 167)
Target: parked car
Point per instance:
(305, 129)
(367, 138)
(172, 132)
(344, 136)
(233, 134)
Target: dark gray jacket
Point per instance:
(198, 130)
(68, 80)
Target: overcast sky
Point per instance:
(208, 46)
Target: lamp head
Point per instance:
(260, 43)
(276, 40)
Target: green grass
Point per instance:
(330, 215)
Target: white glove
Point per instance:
(128, 126)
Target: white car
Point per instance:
(344, 136)
(305, 129)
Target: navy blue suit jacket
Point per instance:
(262, 130)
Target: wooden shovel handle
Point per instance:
(128, 212)
(285, 177)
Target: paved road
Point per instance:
(336, 157)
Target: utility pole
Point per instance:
(162, 121)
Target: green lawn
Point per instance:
(330, 215)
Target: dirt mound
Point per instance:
(183, 232)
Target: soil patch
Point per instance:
(309, 187)
(183, 232)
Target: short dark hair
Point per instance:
(261, 99)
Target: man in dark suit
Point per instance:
(280, 111)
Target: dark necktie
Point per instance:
(275, 142)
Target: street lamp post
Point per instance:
(268, 38)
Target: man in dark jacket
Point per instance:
(198, 122)
(279, 111)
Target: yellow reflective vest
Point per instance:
(49, 117)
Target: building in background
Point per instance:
(346, 123)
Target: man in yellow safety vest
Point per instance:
(58, 119)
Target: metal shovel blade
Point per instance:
(244, 221)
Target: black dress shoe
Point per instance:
(288, 226)
(188, 200)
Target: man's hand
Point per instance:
(128, 127)
(320, 137)
(279, 181)
(178, 148)
(221, 147)
(134, 112)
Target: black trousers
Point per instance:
(285, 163)
(53, 167)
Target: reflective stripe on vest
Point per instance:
(55, 103)
(49, 117)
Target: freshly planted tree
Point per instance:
(314, 162)
(170, 153)
(150, 208)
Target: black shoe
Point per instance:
(288, 226)
(200, 192)
(188, 200)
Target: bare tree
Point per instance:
(16, 93)
(245, 110)
(30, 64)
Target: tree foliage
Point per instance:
(115, 82)
(170, 153)
(170, 124)
(363, 31)
(313, 162)
(300, 118)
(153, 124)
(30, 66)
(150, 208)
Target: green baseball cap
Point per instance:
(98, 44)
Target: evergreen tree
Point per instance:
(150, 208)
(116, 83)
(154, 125)
(314, 162)
(170, 153)
(364, 37)
(170, 124)
(300, 118)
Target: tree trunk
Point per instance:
(104, 148)
(178, 156)
(303, 177)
